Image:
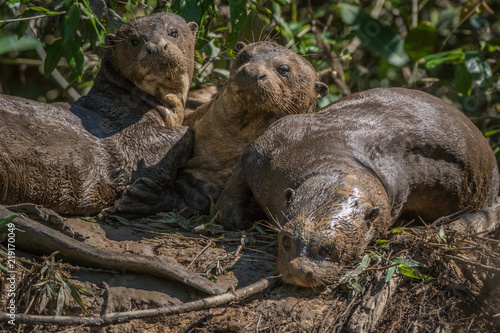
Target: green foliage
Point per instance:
(448, 48)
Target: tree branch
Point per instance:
(121, 317)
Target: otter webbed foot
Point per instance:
(144, 197)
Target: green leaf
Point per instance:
(478, 67)
(94, 20)
(70, 22)
(189, 10)
(54, 54)
(2, 268)
(390, 273)
(238, 14)
(433, 60)
(61, 298)
(412, 272)
(463, 80)
(74, 55)
(421, 41)
(407, 262)
(397, 230)
(23, 25)
(74, 293)
(12, 43)
(492, 132)
(376, 36)
(43, 10)
(6, 220)
(356, 286)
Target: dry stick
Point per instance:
(199, 254)
(473, 263)
(461, 22)
(3, 22)
(121, 317)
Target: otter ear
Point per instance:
(111, 40)
(238, 47)
(321, 89)
(289, 194)
(194, 27)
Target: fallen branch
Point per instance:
(473, 263)
(121, 317)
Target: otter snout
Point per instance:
(304, 262)
(156, 48)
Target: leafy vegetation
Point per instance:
(448, 48)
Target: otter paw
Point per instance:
(143, 197)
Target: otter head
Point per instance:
(281, 81)
(155, 53)
(328, 225)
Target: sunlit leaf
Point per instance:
(453, 57)
(412, 272)
(43, 10)
(407, 262)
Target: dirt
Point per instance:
(458, 298)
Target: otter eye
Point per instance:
(287, 242)
(135, 41)
(173, 33)
(283, 70)
(244, 57)
(324, 252)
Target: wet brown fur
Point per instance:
(337, 179)
(76, 158)
(266, 82)
(254, 96)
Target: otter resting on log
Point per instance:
(336, 179)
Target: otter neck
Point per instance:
(167, 108)
(234, 125)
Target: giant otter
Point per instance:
(336, 179)
(76, 158)
(266, 82)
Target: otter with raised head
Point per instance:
(76, 158)
(266, 82)
(336, 179)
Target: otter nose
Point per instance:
(152, 48)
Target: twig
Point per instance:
(473, 263)
(121, 317)
(458, 280)
(29, 18)
(469, 14)
(199, 254)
